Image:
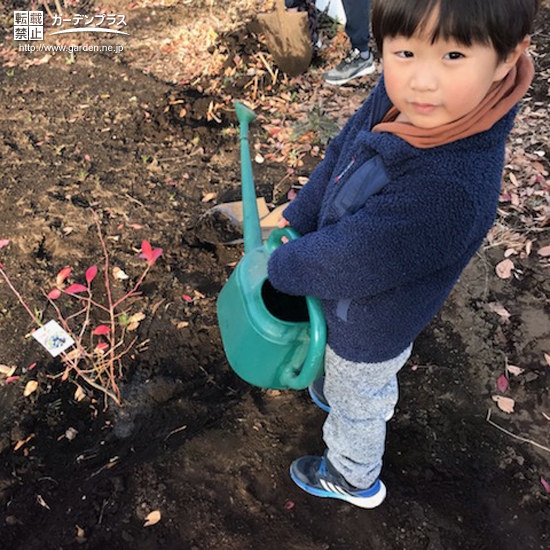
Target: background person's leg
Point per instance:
(359, 61)
(358, 23)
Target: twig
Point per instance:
(269, 69)
(18, 296)
(130, 198)
(180, 429)
(518, 437)
(47, 8)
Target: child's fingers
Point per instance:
(284, 240)
(283, 223)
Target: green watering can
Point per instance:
(271, 339)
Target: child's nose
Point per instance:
(424, 80)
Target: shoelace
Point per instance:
(352, 55)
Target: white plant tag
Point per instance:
(53, 338)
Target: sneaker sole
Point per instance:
(318, 402)
(366, 71)
(326, 408)
(361, 502)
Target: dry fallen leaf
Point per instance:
(209, 197)
(505, 404)
(119, 274)
(71, 433)
(504, 268)
(42, 502)
(7, 371)
(500, 310)
(544, 251)
(516, 371)
(79, 394)
(22, 442)
(72, 355)
(152, 518)
(547, 358)
(80, 534)
(134, 320)
(31, 387)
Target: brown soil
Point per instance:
(191, 440)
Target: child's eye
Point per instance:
(405, 54)
(454, 55)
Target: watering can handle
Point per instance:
(312, 366)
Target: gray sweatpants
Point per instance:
(361, 396)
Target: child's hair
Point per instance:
(502, 24)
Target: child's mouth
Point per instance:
(424, 108)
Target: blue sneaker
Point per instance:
(316, 476)
(317, 393)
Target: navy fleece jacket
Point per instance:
(383, 272)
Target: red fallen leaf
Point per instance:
(100, 330)
(146, 248)
(76, 288)
(502, 383)
(4, 242)
(12, 379)
(54, 294)
(62, 276)
(150, 254)
(289, 504)
(91, 272)
(101, 347)
(545, 484)
(187, 298)
(31, 366)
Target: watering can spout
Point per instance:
(244, 114)
(251, 219)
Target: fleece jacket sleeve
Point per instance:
(393, 239)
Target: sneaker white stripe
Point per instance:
(329, 486)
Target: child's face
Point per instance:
(435, 84)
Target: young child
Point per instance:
(404, 197)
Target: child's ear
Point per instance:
(504, 67)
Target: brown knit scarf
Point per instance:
(500, 98)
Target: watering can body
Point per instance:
(271, 339)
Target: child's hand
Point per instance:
(283, 222)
